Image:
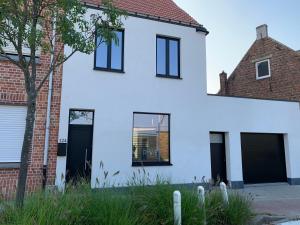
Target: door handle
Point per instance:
(85, 158)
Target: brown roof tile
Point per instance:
(163, 9)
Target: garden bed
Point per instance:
(147, 205)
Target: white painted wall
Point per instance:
(115, 97)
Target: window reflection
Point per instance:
(167, 57)
(150, 138)
(78, 117)
(109, 56)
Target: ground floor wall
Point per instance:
(12, 94)
(190, 127)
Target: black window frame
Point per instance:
(109, 49)
(168, 75)
(143, 164)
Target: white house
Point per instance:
(144, 104)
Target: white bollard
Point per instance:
(177, 207)
(224, 192)
(201, 195)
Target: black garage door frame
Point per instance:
(263, 158)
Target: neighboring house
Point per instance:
(12, 127)
(268, 70)
(143, 104)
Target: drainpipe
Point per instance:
(48, 116)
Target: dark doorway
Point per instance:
(79, 155)
(263, 158)
(218, 157)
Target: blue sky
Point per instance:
(232, 24)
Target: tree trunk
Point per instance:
(27, 144)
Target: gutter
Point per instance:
(48, 115)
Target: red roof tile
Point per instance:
(163, 9)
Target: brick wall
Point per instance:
(284, 83)
(12, 92)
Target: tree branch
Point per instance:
(52, 67)
(8, 57)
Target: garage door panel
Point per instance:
(263, 158)
(12, 128)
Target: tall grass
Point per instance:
(236, 212)
(136, 205)
(79, 205)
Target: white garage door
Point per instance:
(12, 127)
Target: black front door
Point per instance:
(79, 156)
(218, 157)
(263, 158)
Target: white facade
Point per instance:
(194, 114)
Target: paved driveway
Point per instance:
(275, 199)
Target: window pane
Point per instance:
(101, 54)
(174, 57)
(161, 56)
(263, 69)
(150, 138)
(81, 117)
(116, 52)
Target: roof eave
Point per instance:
(199, 27)
(202, 29)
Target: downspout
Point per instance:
(48, 115)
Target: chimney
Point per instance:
(261, 31)
(223, 83)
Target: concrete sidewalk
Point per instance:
(275, 199)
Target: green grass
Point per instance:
(237, 212)
(137, 205)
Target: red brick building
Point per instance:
(269, 70)
(12, 126)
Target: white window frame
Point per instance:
(269, 67)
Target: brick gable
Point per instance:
(284, 83)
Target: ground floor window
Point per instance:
(151, 139)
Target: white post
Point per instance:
(201, 195)
(224, 192)
(177, 207)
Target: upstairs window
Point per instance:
(151, 139)
(110, 56)
(167, 57)
(263, 69)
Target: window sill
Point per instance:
(169, 77)
(8, 165)
(146, 164)
(109, 70)
(263, 77)
(16, 58)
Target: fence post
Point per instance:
(224, 192)
(177, 207)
